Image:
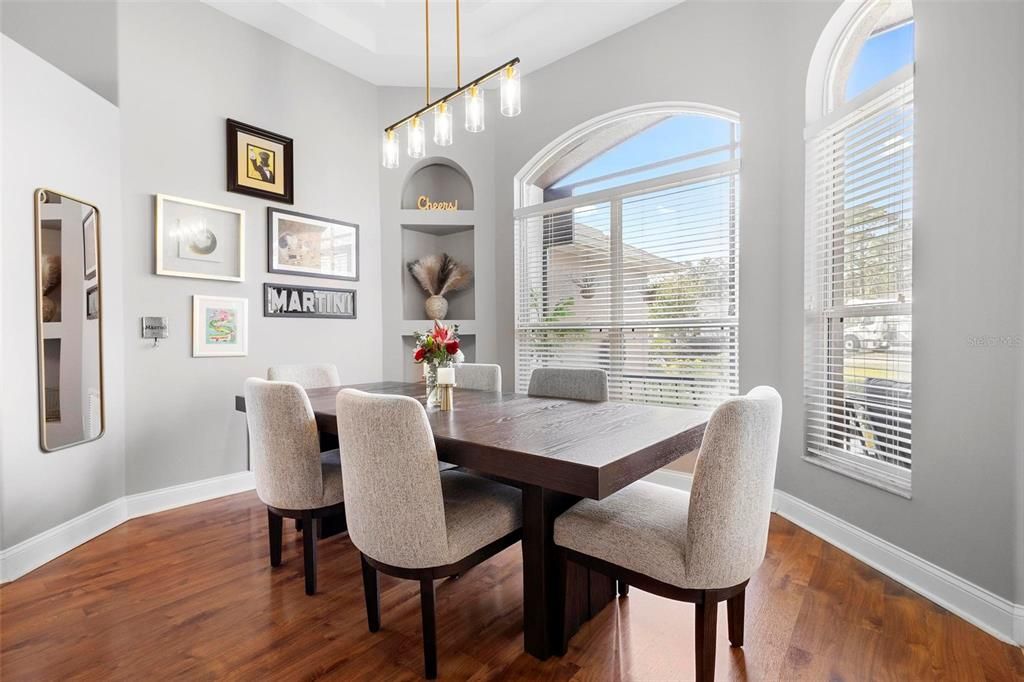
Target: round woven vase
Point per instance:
(437, 307)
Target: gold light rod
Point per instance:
(454, 93)
(458, 48)
(426, 23)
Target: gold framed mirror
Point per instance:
(69, 317)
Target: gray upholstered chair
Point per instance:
(407, 519)
(293, 478)
(570, 384)
(307, 376)
(478, 377)
(702, 546)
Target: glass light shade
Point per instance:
(474, 109)
(390, 149)
(417, 142)
(442, 125)
(511, 100)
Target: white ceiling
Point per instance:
(382, 41)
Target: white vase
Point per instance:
(437, 307)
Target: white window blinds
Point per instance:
(639, 280)
(857, 356)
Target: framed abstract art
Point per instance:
(220, 326)
(301, 244)
(196, 239)
(259, 162)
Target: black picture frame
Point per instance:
(92, 302)
(287, 195)
(272, 247)
(268, 287)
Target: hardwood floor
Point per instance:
(189, 593)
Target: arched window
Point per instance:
(859, 223)
(626, 254)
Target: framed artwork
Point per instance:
(301, 244)
(92, 303)
(289, 300)
(89, 237)
(196, 239)
(220, 326)
(259, 162)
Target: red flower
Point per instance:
(452, 347)
(419, 354)
(440, 334)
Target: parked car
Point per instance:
(867, 333)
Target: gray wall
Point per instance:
(79, 37)
(753, 58)
(57, 134)
(184, 68)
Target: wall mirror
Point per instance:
(69, 312)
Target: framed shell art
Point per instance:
(196, 239)
(220, 326)
(301, 244)
(259, 162)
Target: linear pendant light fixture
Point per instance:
(472, 93)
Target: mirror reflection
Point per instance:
(69, 313)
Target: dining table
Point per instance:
(557, 452)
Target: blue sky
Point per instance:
(883, 54)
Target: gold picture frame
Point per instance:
(199, 240)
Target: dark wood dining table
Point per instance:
(557, 451)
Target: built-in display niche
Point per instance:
(413, 372)
(438, 184)
(419, 241)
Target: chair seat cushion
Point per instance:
(641, 527)
(477, 512)
(330, 466)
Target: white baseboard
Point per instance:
(37, 550)
(175, 496)
(32, 553)
(994, 614)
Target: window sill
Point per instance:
(874, 479)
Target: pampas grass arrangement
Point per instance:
(439, 275)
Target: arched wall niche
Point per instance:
(440, 180)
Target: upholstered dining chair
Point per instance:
(293, 478)
(699, 547)
(407, 519)
(570, 384)
(307, 376)
(478, 377)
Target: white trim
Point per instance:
(32, 553)
(39, 549)
(996, 615)
(143, 504)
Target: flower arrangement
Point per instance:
(437, 348)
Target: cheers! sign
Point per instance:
(425, 204)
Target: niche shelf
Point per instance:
(440, 180)
(424, 240)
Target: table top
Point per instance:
(581, 448)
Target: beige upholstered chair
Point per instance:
(478, 377)
(701, 546)
(293, 478)
(407, 519)
(570, 384)
(307, 376)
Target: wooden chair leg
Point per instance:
(706, 623)
(429, 628)
(371, 590)
(623, 588)
(735, 607)
(275, 525)
(298, 525)
(309, 525)
(560, 600)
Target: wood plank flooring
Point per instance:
(189, 594)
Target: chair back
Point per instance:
(569, 384)
(393, 500)
(307, 376)
(478, 377)
(731, 495)
(284, 444)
